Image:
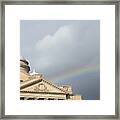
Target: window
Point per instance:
(50, 98)
(30, 99)
(40, 98)
(22, 98)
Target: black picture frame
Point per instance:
(55, 2)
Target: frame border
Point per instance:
(55, 2)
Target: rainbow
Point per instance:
(77, 71)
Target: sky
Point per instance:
(66, 52)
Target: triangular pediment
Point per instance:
(40, 85)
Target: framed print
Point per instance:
(60, 59)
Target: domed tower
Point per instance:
(24, 69)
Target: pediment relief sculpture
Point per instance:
(40, 88)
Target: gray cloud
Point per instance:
(67, 48)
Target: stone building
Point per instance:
(33, 86)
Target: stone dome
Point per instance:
(24, 65)
(22, 59)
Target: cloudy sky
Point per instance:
(65, 52)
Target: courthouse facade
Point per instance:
(33, 86)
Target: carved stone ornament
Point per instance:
(40, 87)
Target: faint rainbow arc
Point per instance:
(78, 71)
